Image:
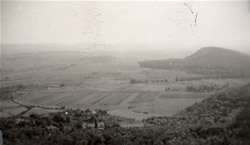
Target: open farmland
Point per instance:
(88, 80)
(134, 105)
(146, 97)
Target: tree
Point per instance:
(191, 89)
(133, 81)
(58, 118)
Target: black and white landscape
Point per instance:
(130, 73)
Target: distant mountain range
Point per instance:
(209, 61)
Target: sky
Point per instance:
(160, 24)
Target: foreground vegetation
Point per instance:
(222, 119)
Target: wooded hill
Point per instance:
(213, 61)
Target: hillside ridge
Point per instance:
(207, 60)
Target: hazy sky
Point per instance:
(170, 24)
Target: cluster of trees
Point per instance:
(159, 81)
(206, 88)
(202, 88)
(193, 78)
(134, 81)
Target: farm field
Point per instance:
(133, 105)
(7, 108)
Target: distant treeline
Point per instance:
(205, 88)
(134, 81)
